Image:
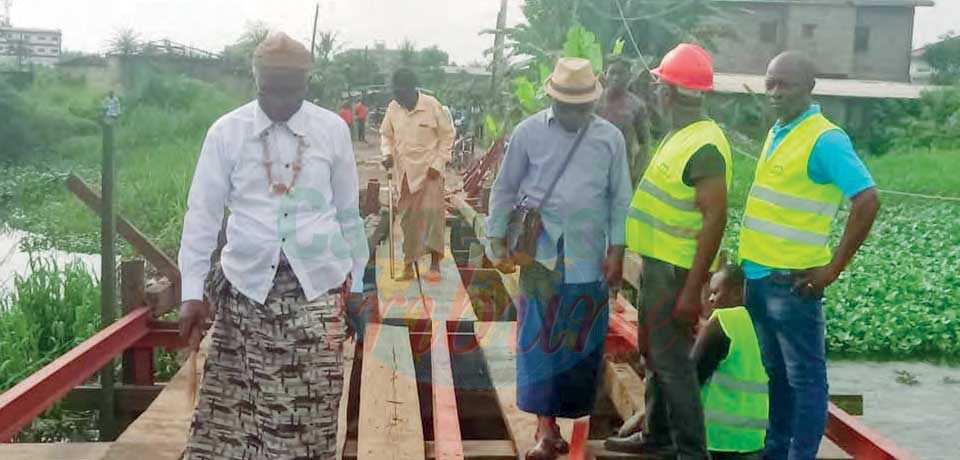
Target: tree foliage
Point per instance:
(651, 26)
(944, 58)
(125, 42)
(239, 55)
(933, 122)
(18, 138)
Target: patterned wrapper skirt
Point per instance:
(561, 330)
(273, 376)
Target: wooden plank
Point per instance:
(625, 388)
(633, 269)
(448, 442)
(349, 350)
(161, 296)
(498, 449)
(54, 451)
(161, 432)
(444, 301)
(448, 300)
(625, 309)
(390, 426)
(141, 243)
(851, 404)
(489, 297)
(498, 342)
(399, 300)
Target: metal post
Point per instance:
(108, 278)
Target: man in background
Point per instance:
(347, 114)
(628, 113)
(417, 137)
(360, 110)
(111, 108)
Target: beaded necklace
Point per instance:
(278, 188)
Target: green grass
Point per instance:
(49, 312)
(900, 297)
(158, 140)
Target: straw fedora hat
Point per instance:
(573, 82)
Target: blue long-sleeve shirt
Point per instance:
(588, 208)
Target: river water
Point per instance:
(922, 417)
(14, 261)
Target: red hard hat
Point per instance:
(687, 66)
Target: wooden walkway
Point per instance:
(408, 376)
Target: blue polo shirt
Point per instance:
(833, 161)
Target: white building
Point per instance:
(21, 46)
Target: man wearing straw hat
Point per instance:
(286, 170)
(571, 166)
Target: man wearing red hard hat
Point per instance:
(676, 222)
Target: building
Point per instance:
(21, 46)
(920, 70)
(849, 39)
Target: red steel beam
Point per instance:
(448, 443)
(29, 398)
(578, 440)
(858, 440)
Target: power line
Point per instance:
(633, 40)
(889, 192)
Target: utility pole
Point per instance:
(313, 40)
(108, 276)
(498, 44)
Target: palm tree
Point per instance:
(408, 53)
(125, 42)
(328, 45)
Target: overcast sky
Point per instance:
(452, 25)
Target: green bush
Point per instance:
(933, 122)
(18, 138)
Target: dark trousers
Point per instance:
(674, 413)
(791, 330)
(362, 129)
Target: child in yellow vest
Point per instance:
(731, 372)
(732, 378)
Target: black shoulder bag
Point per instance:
(526, 222)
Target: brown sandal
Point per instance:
(559, 444)
(545, 449)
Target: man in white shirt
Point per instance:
(285, 168)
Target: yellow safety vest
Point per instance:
(735, 401)
(788, 216)
(663, 221)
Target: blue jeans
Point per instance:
(791, 330)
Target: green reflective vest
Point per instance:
(788, 216)
(663, 221)
(735, 402)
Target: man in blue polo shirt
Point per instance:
(807, 168)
